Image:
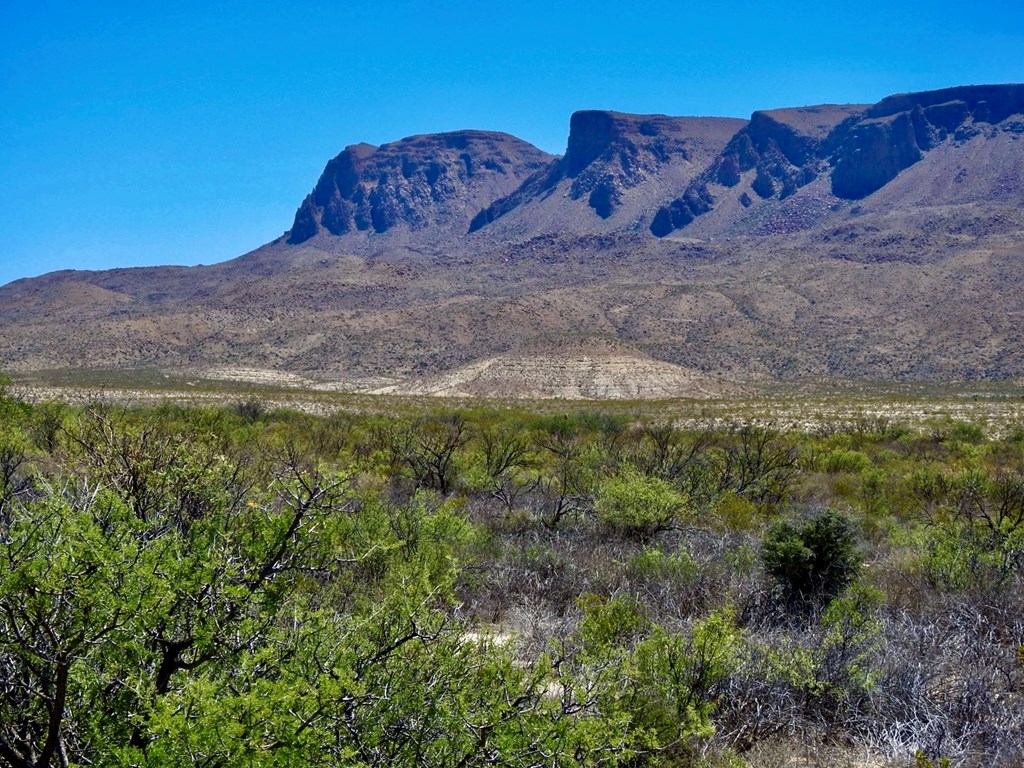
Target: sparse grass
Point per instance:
(995, 407)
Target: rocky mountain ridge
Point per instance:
(428, 183)
(783, 149)
(611, 153)
(622, 171)
(862, 150)
(658, 257)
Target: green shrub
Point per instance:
(921, 760)
(736, 512)
(617, 621)
(958, 556)
(656, 565)
(965, 432)
(815, 560)
(14, 450)
(634, 504)
(841, 460)
(873, 492)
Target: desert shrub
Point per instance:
(8, 405)
(14, 450)
(840, 460)
(814, 560)
(1015, 435)
(656, 565)
(635, 505)
(501, 467)
(758, 462)
(737, 513)
(680, 677)
(873, 492)
(958, 556)
(46, 425)
(618, 621)
(966, 432)
(865, 428)
(921, 760)
(852, 640)
(249, 411)
(428, 451)
(536, 575)
(656, 688)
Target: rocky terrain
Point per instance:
(659, 257)
(616, 170)
(580, 369)
(851, 151)
(427, 186)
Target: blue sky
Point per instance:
(142, 133)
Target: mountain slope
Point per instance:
(561, 288)
(429, 186)
(847, 153)
(616, 171)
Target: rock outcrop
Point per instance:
(435, 180)
(859, 149)
(875, 152)
(610, 153)
(896, 132)
(777, 153)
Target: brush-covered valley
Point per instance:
(238, 583)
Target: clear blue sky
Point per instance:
(188, 132)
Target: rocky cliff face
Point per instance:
(859, 149)
(875, 152)
(436, 181)
(985, 103)
(621, 168)
(897, 132)
(610, 153)
(777, 153)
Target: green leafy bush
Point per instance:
(634, 504)
(816, 559)
(656, 565)
(966, 432)
(841, 460)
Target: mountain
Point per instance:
(659, 256)
(774, 155)
(848, 153)
(424, 187)
(616, 171)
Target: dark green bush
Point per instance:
(814, 560)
